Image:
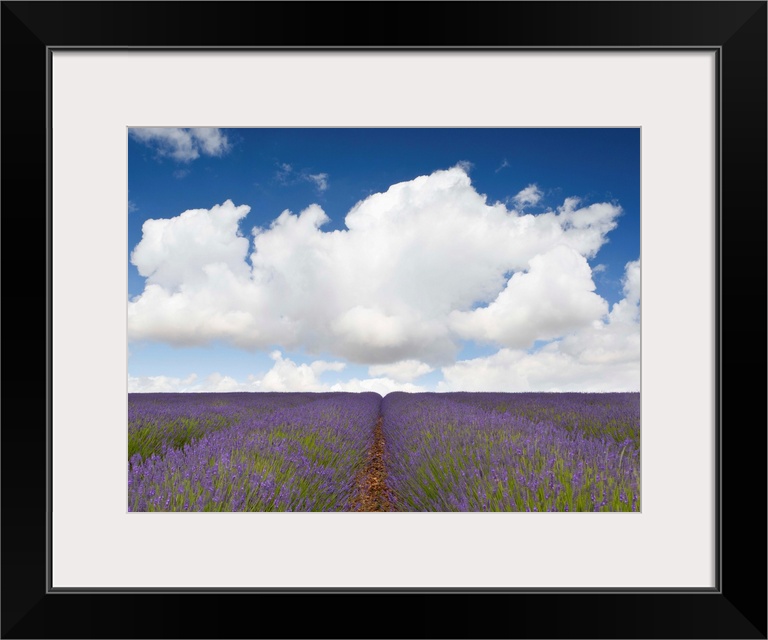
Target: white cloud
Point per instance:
(382, 386)
(399, 283)
(285, 376)
(403, 371)
(183, 145)
(628, 309)
(214, 383)
(159, 384)
(286, 175)
(547, 370)
(528, 196)
(604, 356)
(320, 180)
(464, 165)
(555, 296)
(210, 141)
(283, 172)
(176, 252)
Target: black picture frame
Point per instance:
(735, 608)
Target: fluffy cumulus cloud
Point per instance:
(286, 375)
(179, 252)
(528, 196)
(603, 356)
(183, 145)
(555, 296)
(417, 269)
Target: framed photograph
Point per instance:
(343, 365)
(141, 149)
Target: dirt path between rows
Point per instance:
(371, 484)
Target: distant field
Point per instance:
(431, 452)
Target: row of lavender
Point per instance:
(247, 452)
(157, 421)
(513, 452)
(444, 452)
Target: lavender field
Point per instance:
(418, 451)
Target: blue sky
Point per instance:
(415, 259)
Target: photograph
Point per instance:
(298, 265)
(384, 319)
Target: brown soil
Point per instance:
(371, 487)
